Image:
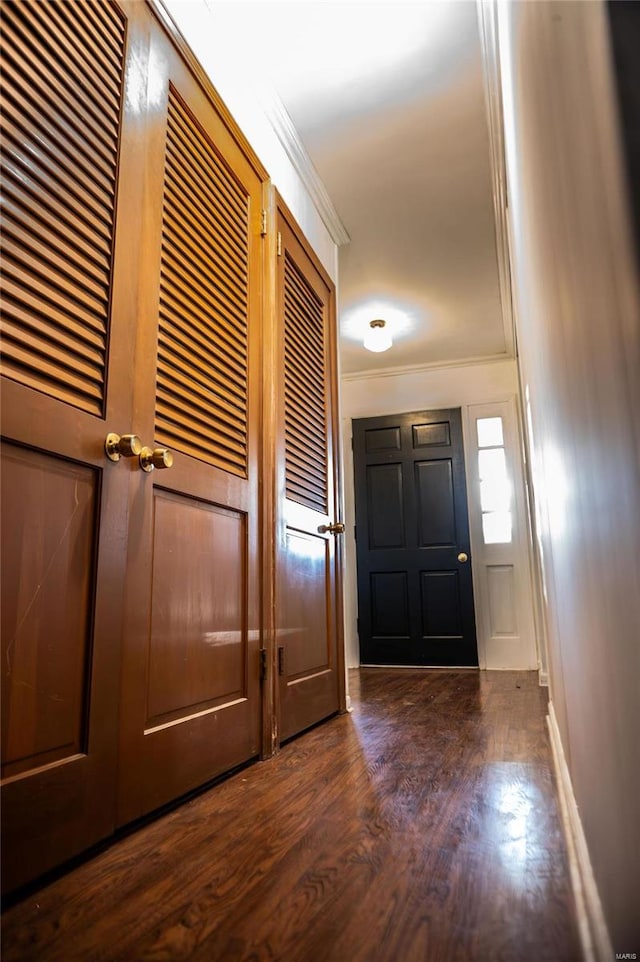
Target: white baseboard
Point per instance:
(543, 678)
(594, 935)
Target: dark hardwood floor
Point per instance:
(424, 827)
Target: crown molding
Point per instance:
(297, 153)
(424, 368)
(490, 53)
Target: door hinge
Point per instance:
(279, 244)
(263, 664)
(263, 224)
(281, 661)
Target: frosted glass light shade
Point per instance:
(378, 337)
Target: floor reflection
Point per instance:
(424, 827)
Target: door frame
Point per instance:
(415, 560)
(510, 402)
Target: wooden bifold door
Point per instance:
(308, 535)
(134, 285)
(72, 233)
(190, 675)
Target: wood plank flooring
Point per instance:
(424, 827)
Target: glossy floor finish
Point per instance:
(424, 827)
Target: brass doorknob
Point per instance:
(463, 557)
(156, 458)
(118, 446)
(336, 528)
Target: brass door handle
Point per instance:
(118, 446)
(156, 458)
(463, 557)
(336, 528)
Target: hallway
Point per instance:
(423, 827)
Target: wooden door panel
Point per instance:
(390, 604)
(198, 634)
(191, 695)
(441, 605)
(72, 172)
(307, 631)
(48, 546)
(385, 517)
(307, 579)
(415, 597)
(191, 689)
(435, 503)
(304, 613)
(437, 434)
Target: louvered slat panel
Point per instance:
(73, 38)
(81, 114)
(28, 102)
(207, 287)
(305, 398)
(196, 383)
(222, 260)
(229, 192)
(298, 303)
(78, 225)
(226, 347)
(201, 388)
(101, 22)
(298, 386)
(310, 453)
(300, 468)
(62, 91)
(228, 236)
(304, 352)
(184, 358)
(35, 237)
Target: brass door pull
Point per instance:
(337, 528)
(118, 446)
(463, 557)
(156, 458)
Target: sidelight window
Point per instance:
(495, 487)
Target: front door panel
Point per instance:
(415, 593)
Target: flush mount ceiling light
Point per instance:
(378, 337)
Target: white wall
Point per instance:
(578, 325)
(392, 393)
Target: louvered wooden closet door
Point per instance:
(70, 234)
(308, 588)
(191, 699)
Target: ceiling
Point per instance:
(388, 99)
